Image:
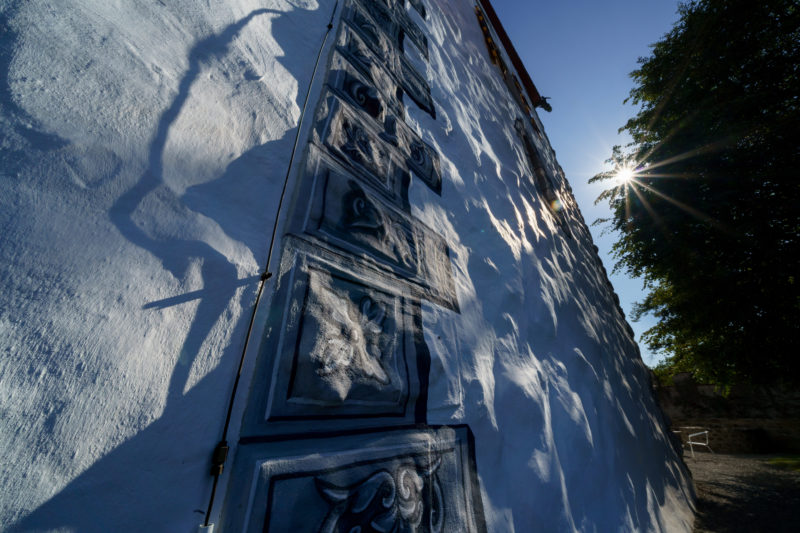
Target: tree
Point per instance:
(709, 218)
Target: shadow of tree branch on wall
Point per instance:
(217, 271)
(134, 486)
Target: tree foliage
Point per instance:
(710, 219)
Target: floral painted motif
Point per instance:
(348, 347)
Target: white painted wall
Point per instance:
(142, 147)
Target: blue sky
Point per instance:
(579, 53)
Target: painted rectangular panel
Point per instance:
(351, 46)
(365, 93)
(417, 155)
(355, 138)
(349, 348)
(350, 214)
(362, 42)
(368, 56)
(420, 7)
(420, 158)
(341, 348)
(393, 19)
(411, 480)
(378, 30)
(369, 138)
(416, 87)
(413, 33)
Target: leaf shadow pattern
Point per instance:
(599, 454)
(133, 487)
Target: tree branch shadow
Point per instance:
(217, 271)
(142, 483)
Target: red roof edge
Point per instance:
(530, 88)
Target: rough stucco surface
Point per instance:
(549, 380)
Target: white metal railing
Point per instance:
(698, 438)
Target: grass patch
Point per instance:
(786, 462)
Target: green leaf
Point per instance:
(712, 220)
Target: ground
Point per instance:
(745, 493)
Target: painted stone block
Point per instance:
(361, 90)
(357, 135)
(420, 7)
(341, 348)
(422, 159)
(355, 139)
(350, 214)
(393, 19)
(365, 47)
(393, 481)
(544, 183)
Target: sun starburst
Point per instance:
(624, 175)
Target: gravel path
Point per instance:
(744, 493)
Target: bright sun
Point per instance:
(624, 175)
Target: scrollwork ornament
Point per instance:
(365, 96)
(369, 30)
(356, 144)
(356, 52)
(380, 14)
(407, 500)
(419, 155)
(363, 217)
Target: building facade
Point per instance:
(305, 266)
